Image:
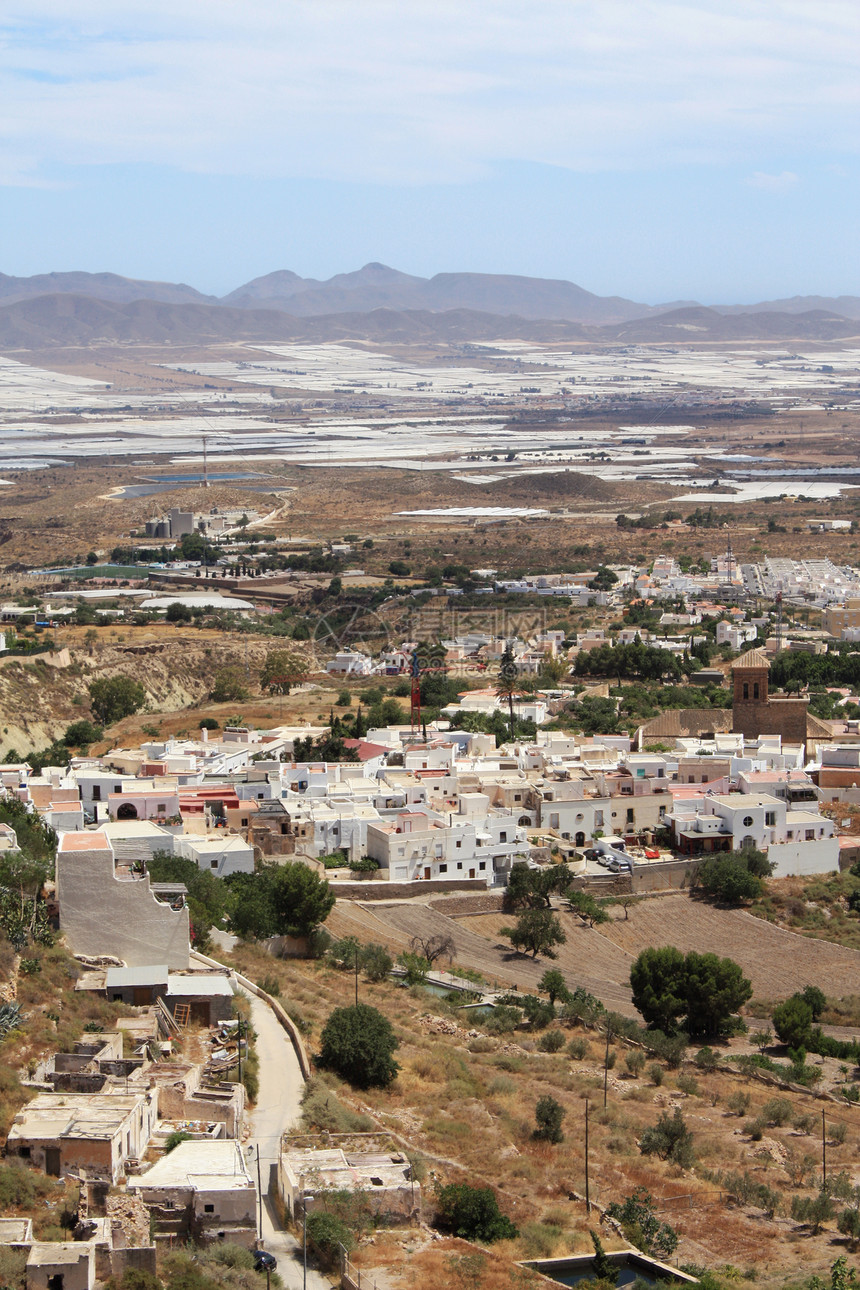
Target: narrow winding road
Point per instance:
(278, 1108)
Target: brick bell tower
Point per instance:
(749, 674)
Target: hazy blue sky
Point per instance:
(697, 149)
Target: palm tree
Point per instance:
(508, 683)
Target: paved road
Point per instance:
(278, 1108)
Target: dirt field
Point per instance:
(777, 962)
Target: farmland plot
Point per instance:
(777, 962)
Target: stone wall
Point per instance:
(665, 875)
(403, 890)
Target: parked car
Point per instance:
(264, 1261)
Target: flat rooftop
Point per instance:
(92, 841)
(206, 1166)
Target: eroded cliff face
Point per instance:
(39, 697)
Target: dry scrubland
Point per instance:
(466, 1100)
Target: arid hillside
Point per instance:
(38, 699)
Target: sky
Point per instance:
(656, 149)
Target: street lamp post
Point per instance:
(305, 1199)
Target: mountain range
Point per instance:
(381, 303)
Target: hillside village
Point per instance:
(415, 838)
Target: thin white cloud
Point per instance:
(781, 183)
(432, 90)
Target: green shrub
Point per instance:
(552, 1041)
(707, 1060)
(358, 1043)
(503, 1019)
(328, 1233)
(670, 1139)
(472, 1213)
(635, 1061)
(777, 1111)
(656, 1074)
(549, 1115)
(415, 967)
(579, 1049)
(642, 1227)
(376, 962)
(669, 1048)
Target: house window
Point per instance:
(443, 868)
(161, 808)
(208, 1209)
(810, 835)
(503, 837)
(459, 844)
(117, 788)
(790, 833)
(482, 865)
(245, 821)
(459, 864)
(770, 817)
(518, 797)
(97, 793)
(748, 821)
(213, 864)
(630, 815)
(755, 690)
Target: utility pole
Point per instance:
(587, 1191)
(823, 1148)
(260, 1194)
(606, 1069)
